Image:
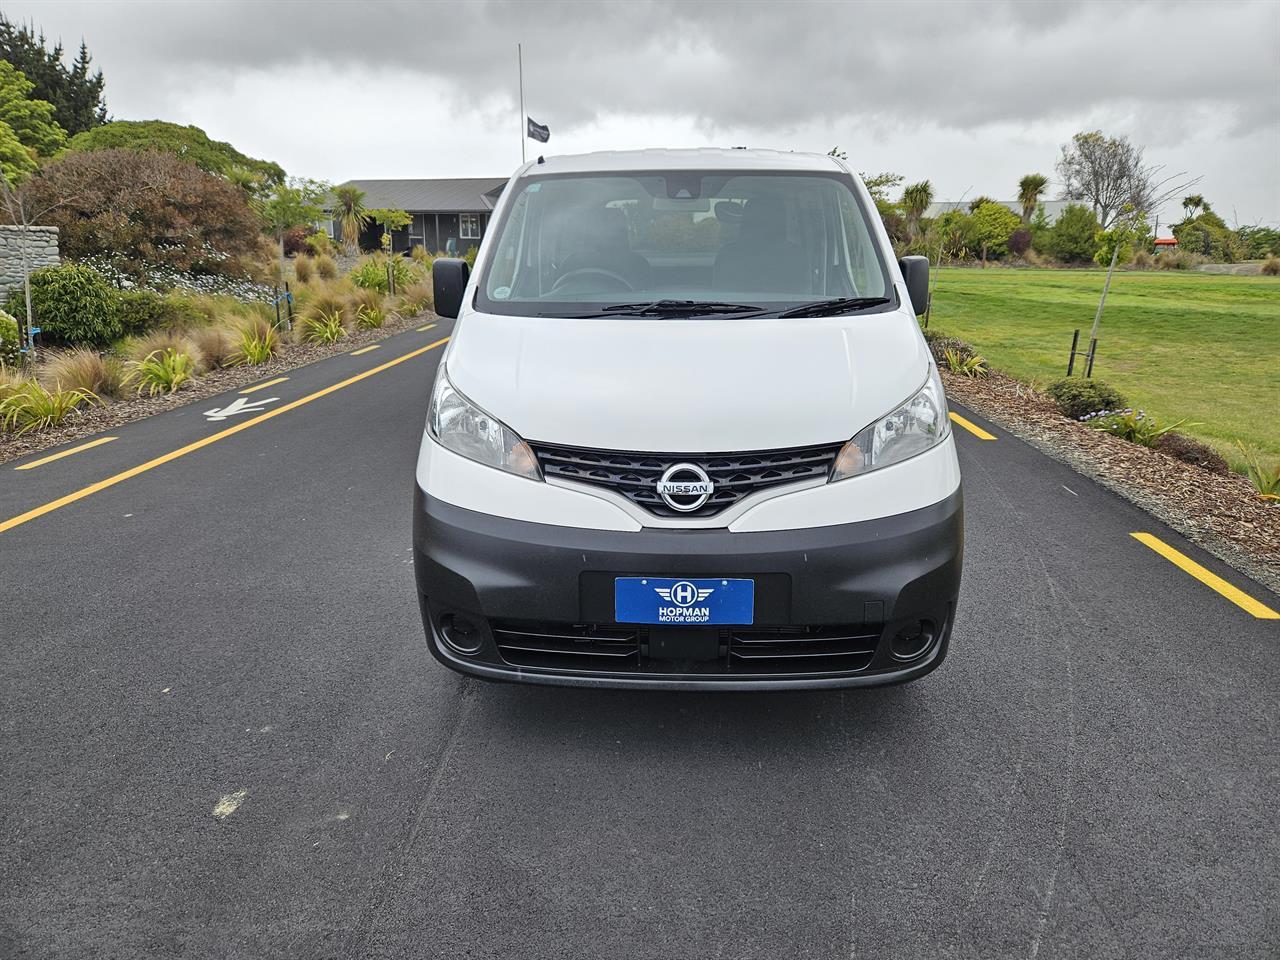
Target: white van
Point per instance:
(687, 434)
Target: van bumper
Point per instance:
(858, 604)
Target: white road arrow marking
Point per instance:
(238, 405)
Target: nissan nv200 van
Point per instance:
(687, 434)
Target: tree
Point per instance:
(991, 224)
(74, 92)
(30, 122)
(137, 210)
(1073, 238)
(915, 201)
(1119, 243)
(1192, 203)
(349, 211)
(389, 221)
(980, 201)
(1110, 174)
(22, 210)
(190, 143)
(1030, 188)
(291, 204)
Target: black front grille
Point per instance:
(735, 475)
(568, 646)
(803, 649)
(747, 651)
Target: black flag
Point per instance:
(537, 131)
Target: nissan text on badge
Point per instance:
(687, 434)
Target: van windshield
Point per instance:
(568, 245)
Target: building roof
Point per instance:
(460, 195)
(1052, 208)
(703, 158)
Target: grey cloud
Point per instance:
(751, 65)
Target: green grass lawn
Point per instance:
(1195, 345)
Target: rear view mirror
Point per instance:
(915, 273)
(449, 281)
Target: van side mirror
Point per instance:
(449, 281)
(915, 272)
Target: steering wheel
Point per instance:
(566, 278)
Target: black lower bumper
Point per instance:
(511, 600)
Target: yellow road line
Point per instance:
(65, 453)
(429, 326)
(93, 488)
(356, 353)
(1208, 578)
(263, 386)
(972, 427)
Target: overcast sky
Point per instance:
(969, 95)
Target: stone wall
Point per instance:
(42, 251)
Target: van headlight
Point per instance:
(913, 428)
(459, 425)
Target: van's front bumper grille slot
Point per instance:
(735, 475)
(568, 646)
(778, 651)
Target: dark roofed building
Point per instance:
(448, 215)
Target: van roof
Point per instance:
(702, 158)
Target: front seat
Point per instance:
(603, 243)
(762, 259)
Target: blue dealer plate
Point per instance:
(677, 602)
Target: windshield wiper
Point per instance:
(837, 305)
(676, 308)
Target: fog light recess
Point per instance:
(460, 634)
(914, 640)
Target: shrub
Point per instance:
(1142, 260)
(940, 345)
(1179, 260)
(213, 344)
(139, 348)
(367, 309)
(138, 209)
(326, 268)
(10, 381)
(1271, 267)
(416, 299)
(420, 254)
(10, 341)
(1265, 481)
(73, 304)
(1020, 242)
(325, 301)
(142, 310)
(371, 273)
(968, 366)
(320, 327)
(469, 256)
(82, 369)
(295, 239)
(31, 407)
(161, 371)
(1073, 237)
(1181, 447)
(257, 343)
(319, 244)
(302, 269)
(1077, 397)
(1129, 424)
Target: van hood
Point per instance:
(687, 385)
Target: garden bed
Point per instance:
(95, 419)
(1221, 512)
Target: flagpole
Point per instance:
(520, 62)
